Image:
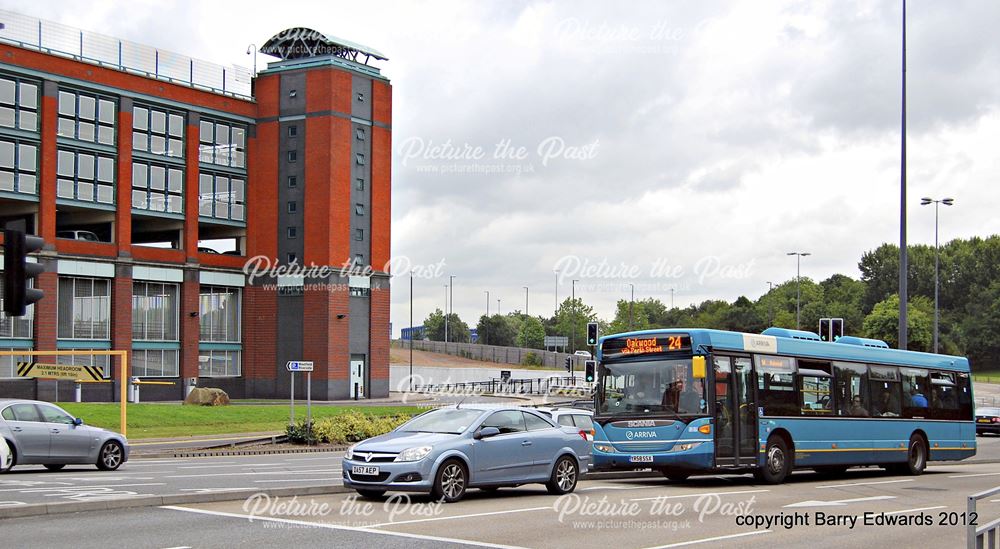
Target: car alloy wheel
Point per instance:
(452, 481)
(111, 456)
(566, 475)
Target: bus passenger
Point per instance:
(690, 400)
(856, 409)
(884, 406)
(917, 400)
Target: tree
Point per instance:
(496, 330)
(532, 333)
(571, 321)
(434, 328)
(883, 323)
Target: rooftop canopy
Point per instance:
(302, 43)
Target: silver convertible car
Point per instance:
(45, 434)
(448, 450)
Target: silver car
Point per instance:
(447, 450)
(44, 434)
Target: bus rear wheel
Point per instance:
(777, 462)
(916, 456)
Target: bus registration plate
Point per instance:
(641, 459)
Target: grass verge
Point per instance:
(151, 420)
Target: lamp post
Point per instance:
(937, 252)
(631, 303)
(411, 330)
(572, 330)
(498, 305)
(556, 310)
(671, 298)
(525, 301)
(770, 305)
(798, 285)
(446, 313)
(252, 50)
(451, 296)
(486, 323)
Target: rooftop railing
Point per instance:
(106, 51)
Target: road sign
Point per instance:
(556, 341)
(299, 365)
(59, 371)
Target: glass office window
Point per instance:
(18, 103)
(87, 117)
(157, 131)
(157, 187)
(18, 166)
(85, 176)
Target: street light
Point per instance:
(770, 305)
(487, 321)
(556, 310)
(498, 305)
(446, 313)
(451, 296)
(937, 252)
(798, 284)
(671, 298)
(631, 303)
(572, 331)
(411, 330)
(525, 301)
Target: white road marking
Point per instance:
(975, 475)
(472, 515)
(308, 472)
(915, 510)
(139, 462)
(34, 490)
(839, 502)
(230, 466)
(11, 503)
(706, 540)
(207, 490)
(296, 480)
(699, 494)
(611, 488)
(314, 459)
(339, 527)
(866, 483)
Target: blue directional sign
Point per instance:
(299, 365)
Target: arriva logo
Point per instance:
(631, 435)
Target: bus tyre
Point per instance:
(916, 456)
(777, 462)
(676, 476)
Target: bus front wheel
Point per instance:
(777, 462)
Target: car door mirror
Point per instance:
(77, 421)
(486, 432)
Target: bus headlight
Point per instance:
(607, 448)
(685, 447)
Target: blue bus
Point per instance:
(688, 402)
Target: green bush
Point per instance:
(345, 429)
(531, 359)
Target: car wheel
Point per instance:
(371, 494)
(111, 456)
(54, 466)
(450, 482)
(777, 462)
(11, 457)
(564, 476)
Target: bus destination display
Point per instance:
(633, 346)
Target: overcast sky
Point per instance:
(684, 145)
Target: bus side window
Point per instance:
(944, 396)
(964, 398)
(884, 388)
(852, 381)
(916, 392)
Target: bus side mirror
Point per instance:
(698, 367)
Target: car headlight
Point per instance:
(685, 447)
(604, 448)
(350, 452)
(414, 454)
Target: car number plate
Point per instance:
(641, 459)
(983, 420)
(368, 470)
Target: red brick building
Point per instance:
(156, 180)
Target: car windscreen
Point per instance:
(650, 387)
(448, 420)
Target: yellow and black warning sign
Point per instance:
(59, 371)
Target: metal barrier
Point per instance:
(498, 386)
(987, 535)
(98, 49)
(135, 383)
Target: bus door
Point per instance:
(735, 412)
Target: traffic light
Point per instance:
(17, 271)
(591, 333)
(569, 364)
(824, 329)
(836, 328)
(591, 367)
